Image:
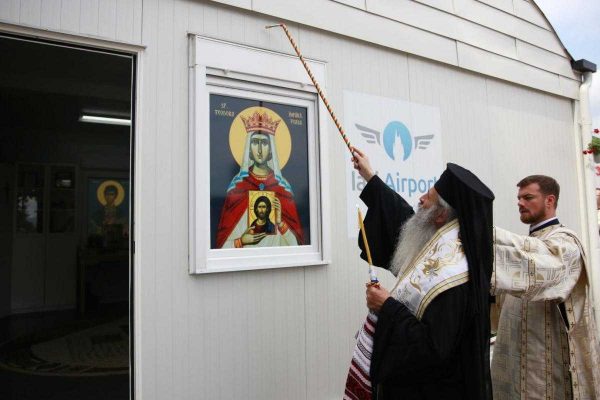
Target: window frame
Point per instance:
(223, 68)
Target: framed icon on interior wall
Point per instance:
(107, 213)
(256, 199)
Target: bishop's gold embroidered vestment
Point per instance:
(539, 355)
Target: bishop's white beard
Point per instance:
(415, 233)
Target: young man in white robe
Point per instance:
(546, 345)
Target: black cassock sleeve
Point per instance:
(408, 351)
(387, 212)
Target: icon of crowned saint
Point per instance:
(259, 172)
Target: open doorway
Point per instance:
(65, 221)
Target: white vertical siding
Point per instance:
(117, 20)
(532, 134)
(166, 271)
(90, 17)
(50, 18)
(70, 15)
(107, 18)
(31, 12)
(182, 334)
(10, 10)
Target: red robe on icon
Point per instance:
(236, 205)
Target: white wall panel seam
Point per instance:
(529, 6)
(489, 4)
(559, 64)
(510, 24)
(445, 37)
(493, 70)
(476, 46)
(456, 34)
(520, 61)
(482, 3)
(434, 40)
(451, 3)
(457, 15)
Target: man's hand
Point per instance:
(362, 165)
(277, 209)
(250, 238)
(376, 296)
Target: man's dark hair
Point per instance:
(263, 199)
(548, 185)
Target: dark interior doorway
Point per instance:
(65, 218)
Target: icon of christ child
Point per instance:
(259, 171)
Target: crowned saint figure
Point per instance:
(259, 171)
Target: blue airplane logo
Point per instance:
(395, 130)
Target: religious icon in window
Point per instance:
(108, 213)
(255, 141)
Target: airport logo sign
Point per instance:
(403, 140)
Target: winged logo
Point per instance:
(393, 131)
(370, 135)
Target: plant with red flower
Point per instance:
(593, 147)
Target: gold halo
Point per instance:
(120, 192)
(237, 136)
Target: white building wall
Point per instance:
(288, 334)
(116, 20)
(507, 39)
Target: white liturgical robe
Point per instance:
(539, 355)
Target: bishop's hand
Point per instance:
(376, 296)
(361, 163)
(249, 237)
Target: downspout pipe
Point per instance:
(590, 218)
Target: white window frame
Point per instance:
(218, 67)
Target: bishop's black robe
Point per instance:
(415, 359)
